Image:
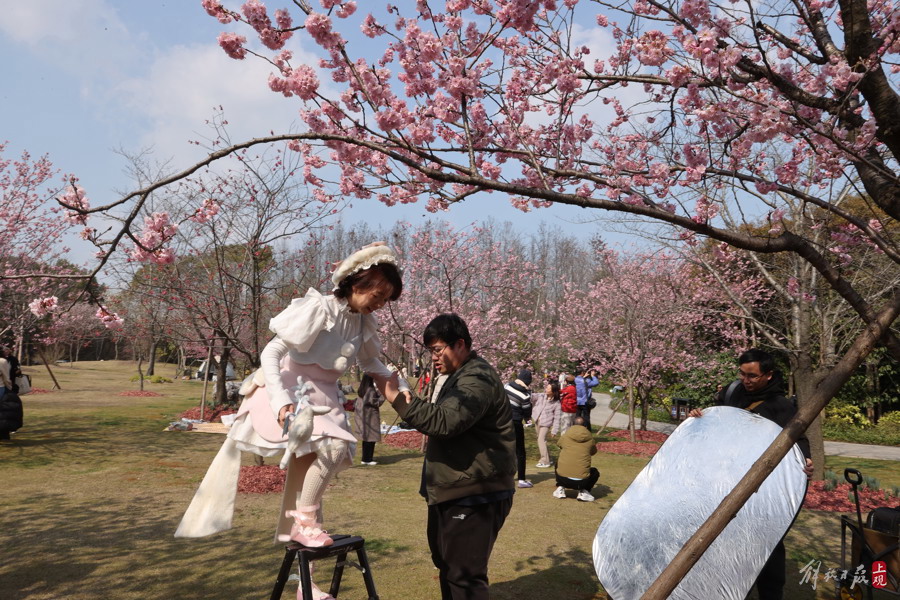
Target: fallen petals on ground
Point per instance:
(408, 440)
(139, 393)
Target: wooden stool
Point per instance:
(341, 546)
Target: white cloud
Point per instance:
(72, 35)
(181, 89)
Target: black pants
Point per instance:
(519, 428)
(368, 451)
(586, 484)
(584, 412)
(770, 582)
(461, 539)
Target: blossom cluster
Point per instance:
(150, 247)
(41, 307)
(109, 319)
(76, 201)
(207, 211)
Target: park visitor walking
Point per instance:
(367, 418)
(547, 416)
(519, 393)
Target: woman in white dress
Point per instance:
(316, 338)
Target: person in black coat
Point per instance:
(760, 389)
(10, 414)
(15, 369)
(519, 394)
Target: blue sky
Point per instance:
(83, 78)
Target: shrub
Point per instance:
(152, 379)
(856, 435)
(871, 482)
(848, 414)
(889, 423)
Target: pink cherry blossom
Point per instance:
(77, 202)
(109, 319)
(215, 9)
(43, 306)
(206, 212)
(233, 45)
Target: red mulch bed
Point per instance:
(265, 479)
(641, 436)
(140, 394)
(840, 498)
(629, 448)
(407, 440)
(210, 415)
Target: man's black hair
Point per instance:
(448, 328)
(765, 360)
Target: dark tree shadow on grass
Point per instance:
(570, 575)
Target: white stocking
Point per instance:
(319, 474)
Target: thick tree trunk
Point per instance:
(806, 380)
(151, 365)
(631, 402)
(221, 376)
(645, 407)
(180, 366)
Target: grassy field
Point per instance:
(93, 488)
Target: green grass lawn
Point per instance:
(93, 488)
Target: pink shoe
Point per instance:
(307, 532)
(316, 592)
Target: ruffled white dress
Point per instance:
(316, 338)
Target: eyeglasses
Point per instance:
(436, 350)
(749, 376)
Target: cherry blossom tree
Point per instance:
(802, 319)
(74, 330)
(649, 317)
(32, 251)
(462, 271)
(217, 248)
(667, 109)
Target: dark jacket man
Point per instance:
(760, 389)
(767, 401)
(470, 435)
(467, 477)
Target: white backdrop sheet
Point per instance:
(675, 493)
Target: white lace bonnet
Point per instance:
(373, 254)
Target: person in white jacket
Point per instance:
(316, 339)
